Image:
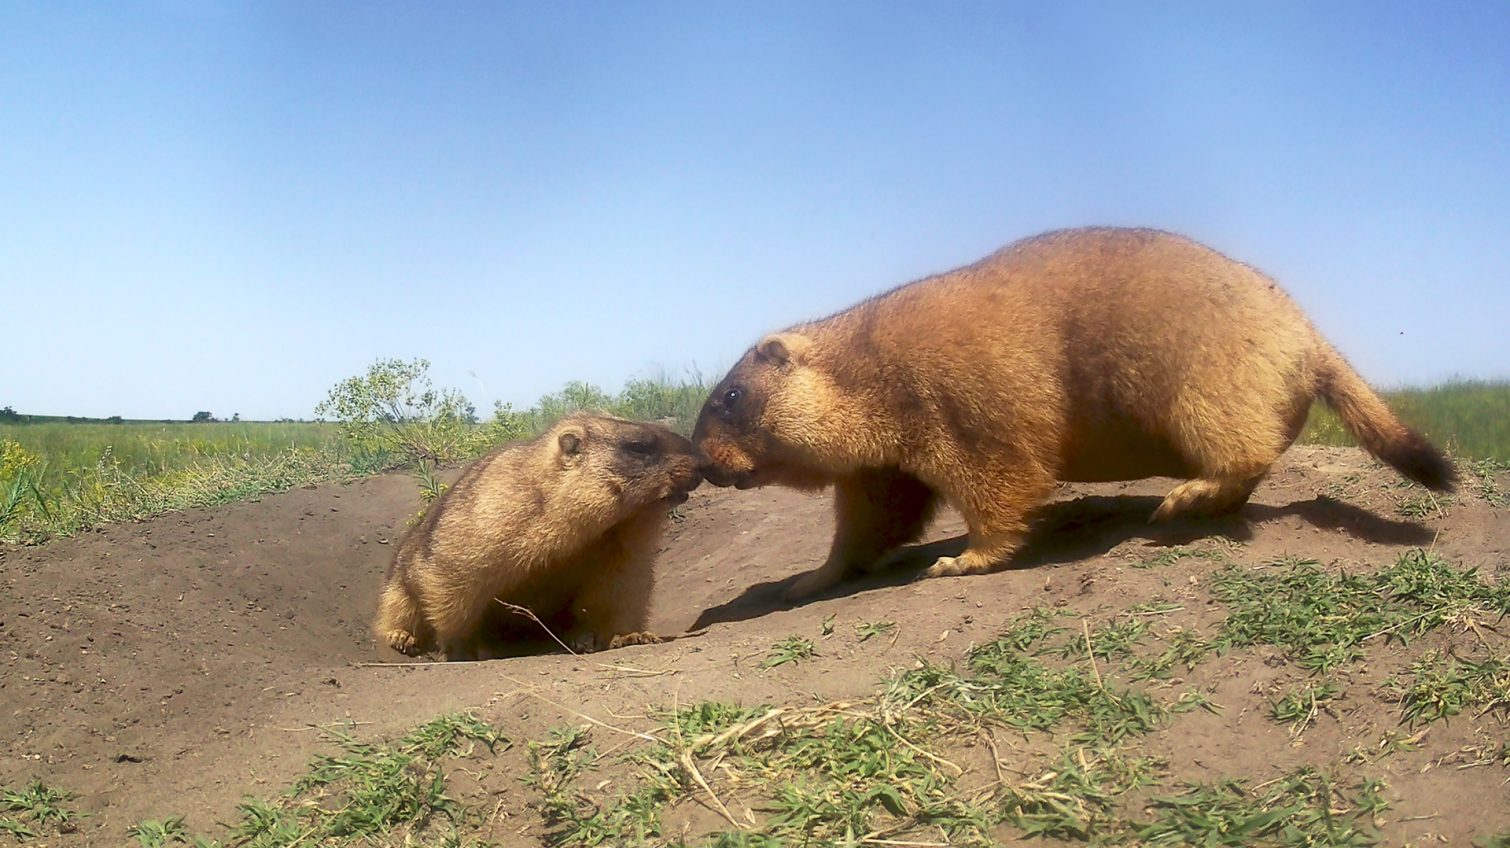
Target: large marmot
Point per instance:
(1079, 355)
(565, 525)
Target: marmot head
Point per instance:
(760, 423)
(634, 463)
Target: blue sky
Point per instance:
(233, 206)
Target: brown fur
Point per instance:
(1079, 355)
(565, 525)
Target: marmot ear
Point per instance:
(570, 441)
(782, 348)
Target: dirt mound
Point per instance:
(172, 666)
(134, 648)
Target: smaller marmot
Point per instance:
(565, 525)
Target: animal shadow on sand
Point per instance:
(1082, 528)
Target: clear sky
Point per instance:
(231, 207)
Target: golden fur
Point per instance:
(565, 525)
(1079, 355)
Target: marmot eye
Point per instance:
(641, 448)
(732, 396)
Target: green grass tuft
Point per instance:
(1306, 808)
(1298, 708)
(1077, 798)
(364, 793)
(792, 649)
(1439, 687)
(34, 807)
(1322, 619)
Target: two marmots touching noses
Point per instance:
(1079, 355)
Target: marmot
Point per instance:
(1079, 355)
(565, 524)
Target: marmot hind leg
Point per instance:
(1232, 441)
(1206, 497)
(987, 551)
(1232, 454)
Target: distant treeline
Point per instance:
(11, 416)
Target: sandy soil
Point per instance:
(175, 665)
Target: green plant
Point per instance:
(1322, 620)
(1423, 505)
(1110, 641)
(362, 793)
(430, 487)
(1177, 553)
(169, 831)
(1298, 708)
(1306, 808)
(1182, 647)
(1484, 474)
(792, 649)
(1439, 687)
(395, 407)
(40, 806)
(1023, 692)
(1076, 797)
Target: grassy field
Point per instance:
(147, 449)
(58, 477)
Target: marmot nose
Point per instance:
(705, 467)
(716, 476)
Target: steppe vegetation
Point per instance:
(59, 476)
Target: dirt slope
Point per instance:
(173, 666)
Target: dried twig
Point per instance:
(530, 614)
(1090, 653)
(995, 756)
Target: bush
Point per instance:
(395, 413)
